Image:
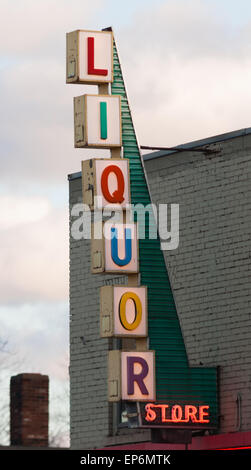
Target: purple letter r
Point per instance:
(139, 378)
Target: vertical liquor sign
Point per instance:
(97, 124)
(169, 393)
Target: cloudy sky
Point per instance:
(187, 66)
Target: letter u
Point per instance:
(114, 247)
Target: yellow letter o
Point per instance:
(122, 311)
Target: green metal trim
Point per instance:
(175, 380)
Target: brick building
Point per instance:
(210, 278)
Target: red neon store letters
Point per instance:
(118, 195)
(177, 414)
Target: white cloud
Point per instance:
(193, 73)
(37, 27)
(38, 333)
(194, 102)
(36, 122)
(21, 210)
(34, 254)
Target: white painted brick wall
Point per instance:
(210, 271)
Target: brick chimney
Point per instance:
(29, 410)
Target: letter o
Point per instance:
(122, 311)
(176, 413)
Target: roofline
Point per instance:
(200, 143)
(186, 147)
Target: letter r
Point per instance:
(138, 378)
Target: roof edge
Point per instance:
(186, 147)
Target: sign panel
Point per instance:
(121, 248)
(175, 415)
(123, 311)
(138, 375)
(131, 376)
(106, 182)
(97, 121)
(89, 57)
(112, 183)
(114, 248)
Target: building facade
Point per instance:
(209, 274)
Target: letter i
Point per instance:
(103, 120)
